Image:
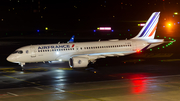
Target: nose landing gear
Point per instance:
(22, 64)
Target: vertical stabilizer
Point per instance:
(149, 30)
(71, 40)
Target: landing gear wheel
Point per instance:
(22, 66)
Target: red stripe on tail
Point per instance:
(153, 31)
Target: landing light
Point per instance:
(60, 59)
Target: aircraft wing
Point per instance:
(93, 56)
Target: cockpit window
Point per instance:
(18, 52)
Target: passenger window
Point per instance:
(27, 51)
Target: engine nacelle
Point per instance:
(78, 62)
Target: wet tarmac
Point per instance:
(148, 76)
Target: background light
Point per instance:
(104, 28)
(141, 24)
(175, 13)
(46, 28)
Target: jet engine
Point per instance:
(78, 62)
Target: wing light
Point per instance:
(138, 51)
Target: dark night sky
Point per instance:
(79, 15)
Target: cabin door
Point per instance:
(77, 48)
(134, 46)
(33, 52)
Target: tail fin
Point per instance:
(71, 40)
(149, 30)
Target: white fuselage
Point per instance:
(63, 52)
(80, 54)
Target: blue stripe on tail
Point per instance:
(149, 24)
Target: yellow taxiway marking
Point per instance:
(38, 69)
(134, 60)
(65, 68)
(22, 80)
(11, 68)
(170, 60)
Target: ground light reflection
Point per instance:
(139, 86)
(139, 82)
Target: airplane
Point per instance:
(80, 54)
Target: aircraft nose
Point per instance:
(11, 58)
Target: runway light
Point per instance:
(94, 30)
(150, 49)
